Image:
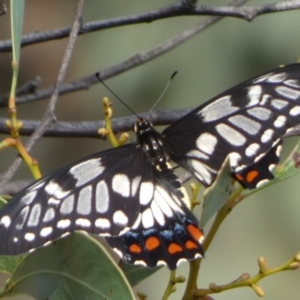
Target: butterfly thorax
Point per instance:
(151, 141)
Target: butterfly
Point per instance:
(131, 195)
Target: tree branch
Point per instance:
(247, 13)
(134, 61)
(89, 129)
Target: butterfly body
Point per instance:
(131, 195)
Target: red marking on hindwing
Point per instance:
(174, 248)
(252, 175)
(195, 232)
(135, 248)
(152, 243)
(190, 245)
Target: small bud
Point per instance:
(141, 296)
(105, 101)
(123, 138)
(244, 276)
(180, 279)
(258, 290)
(103, 131)
(19, 125)
(294, 265)
(297, 257)
(214, 287)
(262, 263)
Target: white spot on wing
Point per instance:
(287, 92)
(87, 171)
(260, 113)
(252, 149)
(232, 136)
(147, 218)
(46, 231)
(280, 121)
(161, 194)
(120, 218)
(102, 197)
(53, 201)
(277, 78)
(234, 159)
(295, 111)
(28, 198)
(254, 94)
(146, 192)
(67, 205)
(157, 213)
(102, 223)
(197, 154)
(206, 143)
(218, 109)
(82, 222)
(137, 222)
(29, 236)
(279, 104)
(267, 136)
(34, 216)
(295, 83)
(84, 201)
(54, 189)
(49, 215)
(23, 215)
(5, 221)
(201, 171)
(246, 124)
(121, 185)
(135, 185)
(63, 224)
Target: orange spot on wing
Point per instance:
(135, 248)
(152, 243)
(239, 177)
(195, 232)
(190, 245)
(173, 248)
(251, 175)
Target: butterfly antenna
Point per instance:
(163, 92)
(99, 78)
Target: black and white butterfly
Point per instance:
(131, 195)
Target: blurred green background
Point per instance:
(223, 55)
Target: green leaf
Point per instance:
(76, 267)
(217, 194)
(136, 274)
(16, 15)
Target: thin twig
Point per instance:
(247, 13)
(89, 129)
(49, 116)
(130, 63)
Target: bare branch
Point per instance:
(49, 117)
(89, 129)
(182, 8)
(130, 63)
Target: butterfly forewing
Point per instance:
(244, 122)
(99, 195)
